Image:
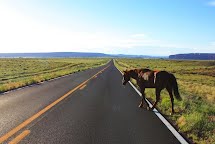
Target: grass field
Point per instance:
(195, 115)
(19, 72)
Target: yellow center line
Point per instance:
(35, 116)
(20, 137)
(83, 87)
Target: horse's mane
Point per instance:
(141, 70)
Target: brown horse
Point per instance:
(159, 80)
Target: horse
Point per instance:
(159, 80)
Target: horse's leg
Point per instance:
(169, 89)
(157, 91)
(141, 102)
(143, 97)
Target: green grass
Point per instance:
(195, 115)
(18, 72)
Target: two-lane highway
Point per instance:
(97, 111)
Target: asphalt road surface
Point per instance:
(75, 111)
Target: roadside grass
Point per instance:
(19, 72)
(195, 114)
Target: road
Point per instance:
(75, 111)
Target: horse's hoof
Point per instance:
(140, 106)
(151, 108)
(172, 113)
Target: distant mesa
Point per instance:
(194, 56)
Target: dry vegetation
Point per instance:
(18, 72)
(195, 115)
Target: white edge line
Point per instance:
(168, 125)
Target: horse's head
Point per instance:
(126, 77)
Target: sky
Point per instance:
(136, 27)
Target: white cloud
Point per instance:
(211, 3)
(141, 35)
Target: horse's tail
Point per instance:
(175, 87)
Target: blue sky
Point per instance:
(143, 27)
